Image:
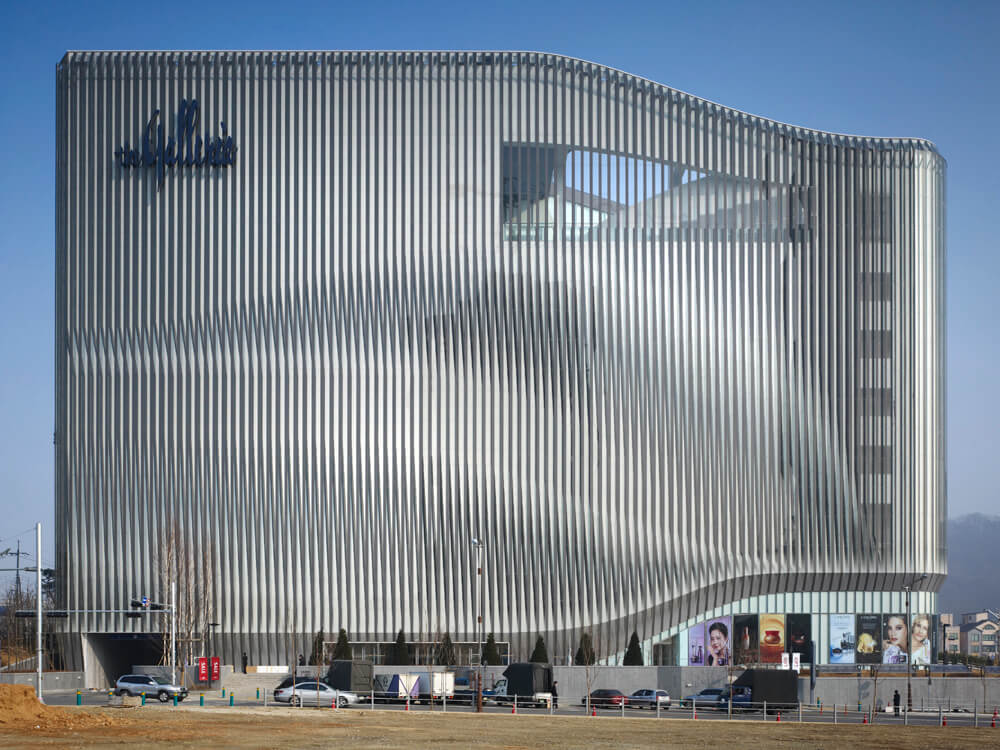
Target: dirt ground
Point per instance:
(26, 723)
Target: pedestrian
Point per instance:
(244, 662)
(302, 660)
(895, 703)
(555, 694)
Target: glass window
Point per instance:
(875, 344)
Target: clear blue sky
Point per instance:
(885, 69)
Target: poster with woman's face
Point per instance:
(746, 650)
(717, 634)
(895, 639)
(696, 645)
(842, 639)
(921, 640)
(868, 649)
(772, 638)
(798, 636)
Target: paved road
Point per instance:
(215, 700)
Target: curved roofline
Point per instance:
(925, 143)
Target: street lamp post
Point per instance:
(478, 544)
(909, 646)
(211, 644)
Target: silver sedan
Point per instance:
(314, 693)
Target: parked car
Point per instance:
(740, 697)
(137, 684)
(649, 699)
(605, 697)
(708, 698)
(314, 693)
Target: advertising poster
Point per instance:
(744, 640)
(842, 639)
(772, 638)
(798, 636)
(921, 643)
(696, 645)
(718, 633)
(895, 639)
(869, 643)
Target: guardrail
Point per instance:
(975, 715)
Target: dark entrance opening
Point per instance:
(115, 654)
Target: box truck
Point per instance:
(531, 683)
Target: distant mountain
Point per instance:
(972, 582)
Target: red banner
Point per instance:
(216, 668)
(202, 669)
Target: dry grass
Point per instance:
(253, 728)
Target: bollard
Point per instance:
(407, 703)
(333, 703)
(864, 718)
(623, 706)
(258, 693)
(144, 698)
(223, 692)
(201, 700)
(513, 708)
(231, 696)
(940, 717)
(906, 716)
(79, 698)
(694, 708)
(800, 713)
(444, 702)
(658, 707)
(763, 716)
(373, 698)
(835, 713)
(778, 720)
(175, 699)
(944, 721)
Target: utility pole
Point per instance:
(909, 644)
(478, 544)
(173, 632)
(38, 605)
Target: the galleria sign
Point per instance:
(182, 149)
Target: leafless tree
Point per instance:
(188, 563)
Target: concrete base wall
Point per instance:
(944, 692)
(50, 680)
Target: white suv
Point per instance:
(137, 684)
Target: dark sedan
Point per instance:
(709, 698)
(606, 698)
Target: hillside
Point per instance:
(972, 563)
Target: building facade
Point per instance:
(323, 318)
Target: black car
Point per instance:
(605, 697)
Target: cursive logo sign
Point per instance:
(183, 149)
